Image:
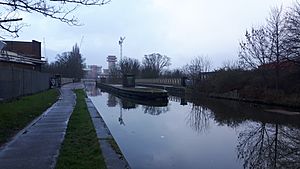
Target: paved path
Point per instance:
(37, 146)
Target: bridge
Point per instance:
(163, 81)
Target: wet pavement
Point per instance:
(37, 146)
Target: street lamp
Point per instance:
(121, 43)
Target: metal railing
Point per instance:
(14, 57)
(163, 81)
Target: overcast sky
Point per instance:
(179, 29)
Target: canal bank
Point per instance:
(234, 96)
(195, 135)
(193, 94)
(113, 157)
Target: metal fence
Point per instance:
(16, 82)
(164, 81)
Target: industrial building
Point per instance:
(21, 54)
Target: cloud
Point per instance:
(179, 29)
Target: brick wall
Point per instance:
(30, 49)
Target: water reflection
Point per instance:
(240, 135)
(181, 100)
(126, 104)
(111, 101)
(155, 111)
(121, 121)
(234, 114)
(264, 140)
(151, 107)
(129, 103)
(91, 89)
(199, 118)
(262, 145)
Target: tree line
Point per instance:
(156, 65)
(68, 64)
(151, 66)
(268, 64)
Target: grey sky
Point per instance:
(176, 28)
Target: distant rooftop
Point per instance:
(111, 58)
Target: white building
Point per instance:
(111, 60)
(93, 71)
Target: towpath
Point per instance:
(37, 146)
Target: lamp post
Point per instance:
(121, 43)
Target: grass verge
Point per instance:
(80, 148)
(16, 114)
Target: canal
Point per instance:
(206, 133)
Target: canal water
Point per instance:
(206, 133)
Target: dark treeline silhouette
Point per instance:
(68, 64)
(156, 65)
(152, 66)
(129, 66)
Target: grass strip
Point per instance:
(16, 114)
(80, 148)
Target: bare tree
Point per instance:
(129, 65)
(68, 64)
(255, 50)
(292, 40)
(154, 63)
(56, 9)
(276, 36)
(196, 68)
(276, 33)
(266, 45)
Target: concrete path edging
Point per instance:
(112, 159)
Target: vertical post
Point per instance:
(121, 45)
(120, 51)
